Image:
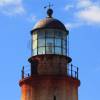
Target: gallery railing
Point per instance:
(71, 71)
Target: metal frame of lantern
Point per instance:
(62, 42)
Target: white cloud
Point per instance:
(83, 3)
(11, 7)
(68, 7)
(89, 11)
(7, 2)
(86, 12)
(72, 25)
(90, 15)
(32, 18)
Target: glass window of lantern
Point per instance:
(58, 35)
(41, 35)
(64, 35)
(57, 50)
(34, 51)
(58, 42)
(41, 50)
(35, 36)
(49, 42)
(64, 44)
(34, 44)
(64, 52)
(49, 50)
(49, 34)
(41, 42)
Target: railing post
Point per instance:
(77, 72)
(71, 70)
(23, 72)
(67, 69)
(28, 74)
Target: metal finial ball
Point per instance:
(50, 12)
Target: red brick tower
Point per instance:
(51, 77)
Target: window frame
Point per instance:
(54, 38)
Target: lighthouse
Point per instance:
(52, 76)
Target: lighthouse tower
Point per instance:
(52, 76)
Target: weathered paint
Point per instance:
(51, 79)
(50, 64)
(46, 87)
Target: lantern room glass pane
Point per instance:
(49, 34)
(41, 42)
(64, 52)
(41, 50)
(58, 42)
(34, 51)
(34, 44)
(50, 50)
(57, 50)
(64, 36)
(41, 35)
(49, 42)
(35, 36)
(58, 35)
(64, 44)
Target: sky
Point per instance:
(81, 18)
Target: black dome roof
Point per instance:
(49, 23)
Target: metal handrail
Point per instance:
(25, 71)
(71, 71)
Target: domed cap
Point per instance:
(49, 23)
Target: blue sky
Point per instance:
(81, 17)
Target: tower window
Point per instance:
(41, 50)
(34, 44)
(58, 42)
(50, 50)
(64, 44)
(58, 35)
(34, 51)
(35, 36)
(49, 42)
(57, 50)
(41, 42)
(49, 34)
(41, 35)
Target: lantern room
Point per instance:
(49, 36)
